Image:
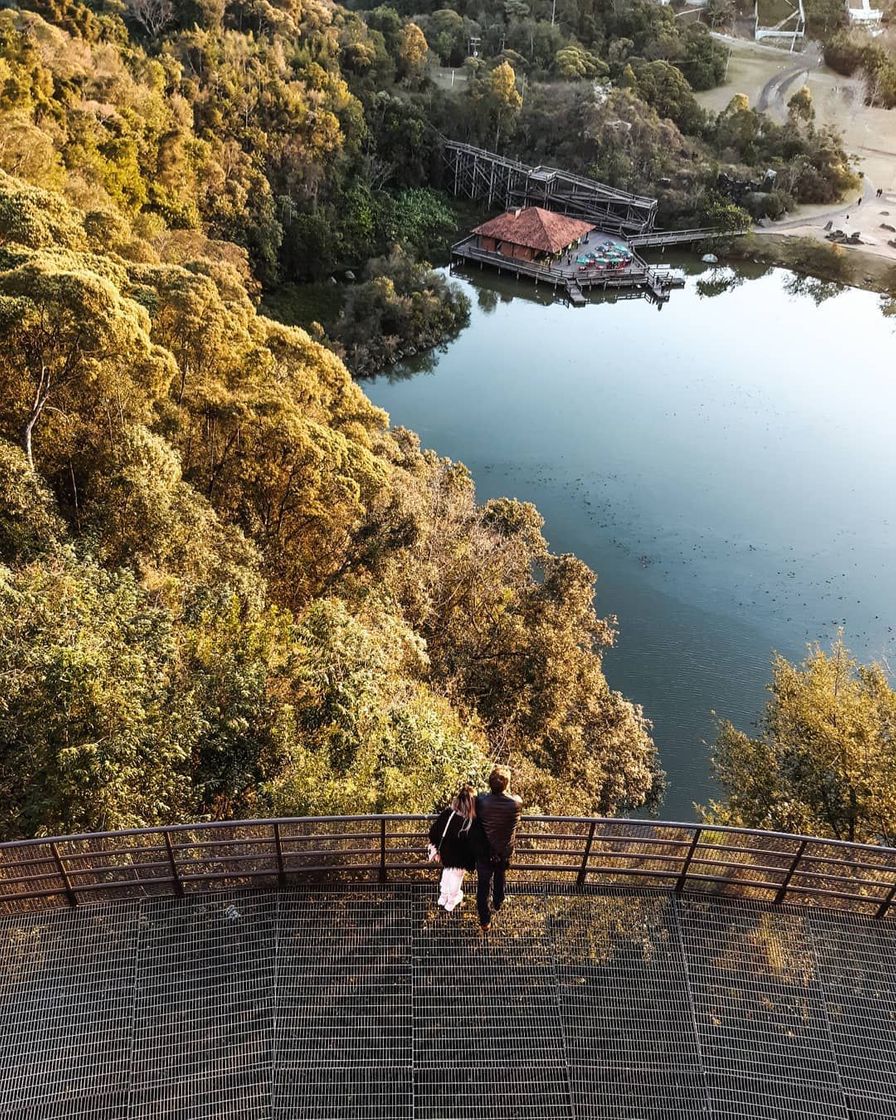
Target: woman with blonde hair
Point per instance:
(451, 847)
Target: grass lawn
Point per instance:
(772, 12)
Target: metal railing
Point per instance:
(575, 851)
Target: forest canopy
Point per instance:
(227, 587)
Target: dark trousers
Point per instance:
(488, 874)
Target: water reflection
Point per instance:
(487, 299)
(718, 282)
(817, 290)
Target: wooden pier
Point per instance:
(575, 294)
(637, 279)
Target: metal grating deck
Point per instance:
(369, 1004)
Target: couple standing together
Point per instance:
(477, 832)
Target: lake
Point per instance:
(725, 463)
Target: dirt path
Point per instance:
(813, 215)
(779, 87)
(875, 259)
(750, 68)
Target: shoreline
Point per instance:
(803, 250)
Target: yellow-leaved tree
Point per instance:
(824, 761)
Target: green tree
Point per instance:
(573, 62)
(365, 736)
(413, 51)
(403, 306)
(29, 521)
(496, 101)
(447, 35)
(800, 105)
(665, 89)
(845, 51)
(69, 339)
(96, 726)
(824, 762)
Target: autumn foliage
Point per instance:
(227, 587)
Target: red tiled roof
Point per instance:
(543, 230)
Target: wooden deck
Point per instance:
(570, 279)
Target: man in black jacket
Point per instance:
(497, 814)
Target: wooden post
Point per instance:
(887, 902)
(583, 870)
(782, 890)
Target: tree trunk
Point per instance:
(40, 399)
(26, 439)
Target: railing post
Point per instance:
(683, 877)
(887, 902)
(583, 870)
(178, 885)
(281, 872)
(782, 890)
(63, 875)
(382, 874)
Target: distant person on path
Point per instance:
(497, 814)
(451, 836)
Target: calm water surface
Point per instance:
(727, 466)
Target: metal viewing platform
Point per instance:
(300, 970)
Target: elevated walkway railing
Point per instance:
(603, 190)
(658, 237)
(571, 851)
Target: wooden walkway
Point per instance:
(575, 294)
(659, 238)
(500, 181)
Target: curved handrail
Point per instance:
(213, 855)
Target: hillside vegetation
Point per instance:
(227, 587)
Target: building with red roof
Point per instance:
(530, 234)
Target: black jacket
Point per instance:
(496, 815)
(456, 849)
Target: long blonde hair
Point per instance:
(464, 804)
